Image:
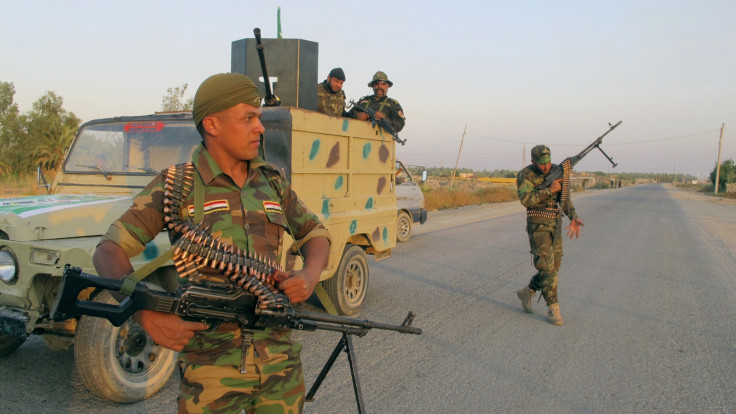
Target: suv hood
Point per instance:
(59, 216)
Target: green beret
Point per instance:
(223, 91)
(541, 154)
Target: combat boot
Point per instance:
(554, 314)
(526, 295)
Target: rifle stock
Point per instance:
(212, 304)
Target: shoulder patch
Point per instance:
(272, 207)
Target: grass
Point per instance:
(438, 199)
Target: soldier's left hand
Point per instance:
(296, 284)
(380, 115)
(573, 230)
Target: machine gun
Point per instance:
(215, 304)
(383, 123)
(212, 304)
(270, 99)
(557, 172)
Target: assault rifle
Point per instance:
(557, 171)
(270, 99)
(383, 122)
(212, 304)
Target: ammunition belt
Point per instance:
(197, 247)
(550, 213)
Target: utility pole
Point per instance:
(718, 165)
(523, 156)
(452, 181)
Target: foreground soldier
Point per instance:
(330, 96)
(249, 204)
(543, 222)
(384, 106)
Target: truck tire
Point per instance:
(403, 227)
(121, 364)
(347, 288)
(9, 343)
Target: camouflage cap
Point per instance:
(223, 91)
(380, 76)
(541, 154)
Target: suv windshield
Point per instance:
(132, 147)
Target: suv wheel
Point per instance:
(121, 364)
(348, 287)
(403, 227)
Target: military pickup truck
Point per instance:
(343, 169)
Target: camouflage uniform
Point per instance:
(253, 218)
(389, 106)
(328, 102)
(542, 227)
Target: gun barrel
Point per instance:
(270, 99)
(596, 144)
(363, 324)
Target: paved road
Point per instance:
(648, 295)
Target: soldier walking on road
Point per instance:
(544, 209)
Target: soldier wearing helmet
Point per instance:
(384, 106)
(543, 222)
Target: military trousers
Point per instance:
(273, 385)
(546, 250)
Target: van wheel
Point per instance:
(348, 287)
(9, 343)
(403, 227)
(121, 364)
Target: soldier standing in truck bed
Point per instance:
(384, 106)
(330, 96)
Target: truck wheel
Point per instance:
(9, 343)
(121, 364)
(403, 227)
(347, 288)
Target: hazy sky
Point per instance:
(516, 73)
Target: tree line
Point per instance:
(42, 135)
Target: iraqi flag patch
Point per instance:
(211, 206)
(272, 207)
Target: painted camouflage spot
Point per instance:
(376, 235)
(334, 155)
(326, 208)
(385, 234)
(381, 185)
(383, 153)
(369, 203)
(338, 182)
(315, 149)
(353, 226)
(366, 150)
(345, 124)
(151, 251)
